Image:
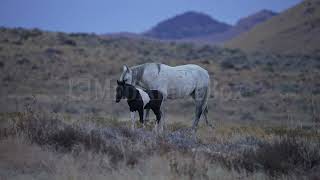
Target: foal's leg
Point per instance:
(146, 115)
(141, 117)
(158, 113)
(132, 116)
(163, 114)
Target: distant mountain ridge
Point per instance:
(248, 22)
(243, 25)
(187, 25)
(199, 28)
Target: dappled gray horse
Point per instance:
(174, 83)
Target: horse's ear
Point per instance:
(125, 68)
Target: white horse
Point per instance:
(174, 83)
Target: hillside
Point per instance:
(187, 25)
(296, 30)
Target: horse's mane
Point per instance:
(137, 71)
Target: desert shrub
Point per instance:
(69, 42)
(6, 126)
(283, 156)
(246, 89)
(34, 67)
(247, 116)
(23, 61)
(49, 131)
(53, 52)
(300, 132)
(269, 67)
(227, 65)
(290, 88)
(192, 166)
(79, 35)
(7, 78)
(65, 40)
(26, 34)
(315, 90)
(176, 126)
(72, 109)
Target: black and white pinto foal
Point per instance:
(138, 100)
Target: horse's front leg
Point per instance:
(132, 116)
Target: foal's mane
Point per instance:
(130, 87)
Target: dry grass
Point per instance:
(22, 160)
(42, 146)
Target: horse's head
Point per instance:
(126, 75)
(120, 91)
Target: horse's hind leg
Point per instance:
(197, 115)
(205, 115)
(200, 100)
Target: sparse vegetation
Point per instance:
(237, 152)
(263, 104)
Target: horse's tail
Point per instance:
(206, 99)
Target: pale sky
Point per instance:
(106, 16)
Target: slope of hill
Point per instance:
(243, 25)
(187, 25)
(296, 30)
(247, 23)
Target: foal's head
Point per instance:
(124, 91)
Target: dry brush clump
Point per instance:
(288, 155)
(63, 137)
